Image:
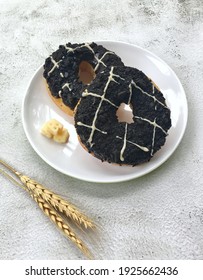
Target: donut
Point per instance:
(71, 67)
(109, 139)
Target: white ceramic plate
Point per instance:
(71, 158)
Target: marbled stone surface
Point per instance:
(158, 216)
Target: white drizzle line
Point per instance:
(110, 78)
(69, 49)
(55, 63)
(144, 149)
(130, 96)
(154, 129)
(153, 90)
(87, 45)
(65, 85)
(153, 138)
(102, 98)
(89, 126)
(99, 60)
(86, 93)
(153, 97)
(152, 123)
(124, 143)
(126, 128)
(155, 100)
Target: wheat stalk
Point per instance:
(57, 202)
(50, 203)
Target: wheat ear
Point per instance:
(57, 202)
(47, 201)
(62, 225)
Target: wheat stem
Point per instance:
(7, 166)
(12, 179)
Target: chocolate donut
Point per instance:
(99, 129)
(64, 71)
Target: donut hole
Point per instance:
(124, 113)
(86, 73)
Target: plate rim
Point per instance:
(113, 180)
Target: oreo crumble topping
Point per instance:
(62, 67)
(119, 142)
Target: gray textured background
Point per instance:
(158, 216)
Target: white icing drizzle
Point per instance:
(152, 123)
(144, 149)
(144, 92)
(154, 129)
(153, 88)
(102, 98)
(69, 49)
(130, 96)
(55, 65)
(86, 93)
(124, 143)
(99, 60)
(87, 45)
(89, 126)
(65, 85)
(126, 128)
(155, 100)
(153, 138)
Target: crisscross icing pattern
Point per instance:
(154, 124)
(102, 99)
(56, 64)
(124, 139)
